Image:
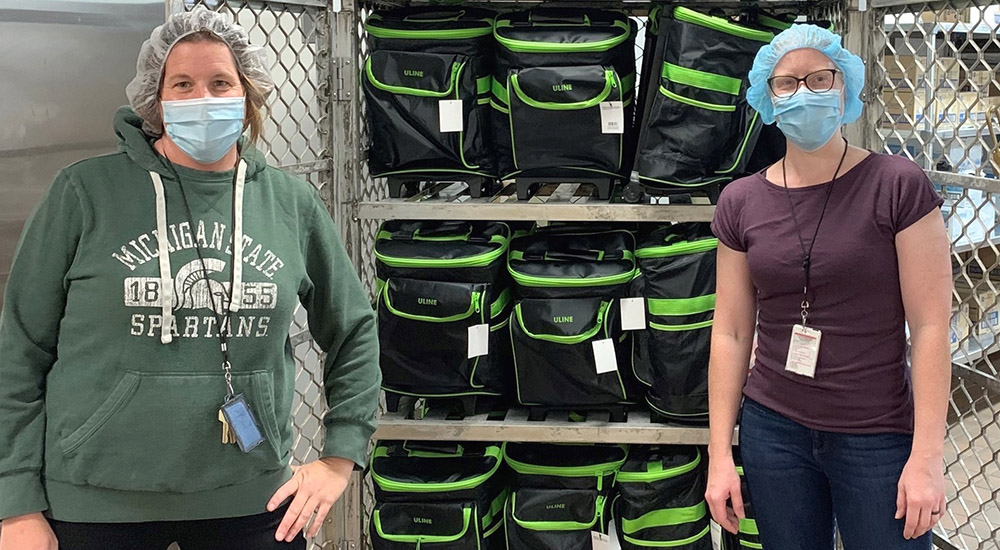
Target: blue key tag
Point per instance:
(242, 424)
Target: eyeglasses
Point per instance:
(817, 81)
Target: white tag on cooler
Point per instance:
(604, 356)
(803, 351)
(716, 531)
(479, 340)
(633, 313)
(612, 117)
(600, 541)
(450, 113)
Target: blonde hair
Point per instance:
(256, 99)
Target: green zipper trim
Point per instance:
(752, 545)
(496, 509)
(475, 364)
(749, 527)
(419, 539)
(456, 69)
(681, 306)
(650, 476)
(545, 282)
(628, 83)
(499, 108)
(500, 92)
(680, 328)
(483, 85)
(474, 306)
(677, 415)
(665, 518)
(577, 339)
(556, 525)
(501, 325)
(595, 470)
(696, 103)
(527, 46)
(497, 307)
(702, 79)
(682, 184)
(669, 543)
(743, 146)
(679, 249)
(739, 471)
(471, 483)
(489, 532)
(773, 23)
(431, 34)
(479, 260)
(609, 84)
(719, 24)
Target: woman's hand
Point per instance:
(27, 532)
(724, 486)
(316, 487)
(920, 495)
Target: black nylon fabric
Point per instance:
(576, 255)
(682, 490)
(681, 145)
(603, 459)
(674, 363)
(425, 313)
(575, 512)
(572, 143)
(423, 513)
(404, 128)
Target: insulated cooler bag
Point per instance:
(419, 58)
(555, 70)
(560, 493)
(677, 266)
(696, 127)
(749, 537)
(439, 283)
(568, 285)
(661, 500)
(438, 496)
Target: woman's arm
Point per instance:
(732, 339)
(925, 281)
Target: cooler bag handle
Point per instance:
(417, 448)
(575, 20)
(435, 16)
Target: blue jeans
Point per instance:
(802, 482)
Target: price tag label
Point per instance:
(604, 356)
(600, 541)
(633, 313)
(612, 117)
(450, 113)
(479, 340)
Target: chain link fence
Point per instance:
(936, 101)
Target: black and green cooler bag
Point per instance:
(568, 286)
(442, 292)
(437, 495)
(677, 280)
(560, 494)
(420, 58)
(556, 70)
(749, 535)
(661, 500)
(696, 128)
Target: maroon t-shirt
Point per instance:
(862, 382)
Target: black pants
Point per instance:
(243, 533)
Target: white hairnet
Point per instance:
(796, 38)
(144, 90)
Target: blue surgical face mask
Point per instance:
(205, 128)
(809, 119)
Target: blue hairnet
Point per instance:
(796, 38)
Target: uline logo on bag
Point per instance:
(562, 88)
(562, 319)
(555, 506)
(427, 301)
(413, 73)
(425, 521)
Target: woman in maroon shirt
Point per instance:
(828, 253)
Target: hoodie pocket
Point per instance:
(160, 432)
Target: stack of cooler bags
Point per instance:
(474, 496)
(468, 310)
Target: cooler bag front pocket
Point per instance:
(404, 91)
(424, 335)
(554, 519)
(555, 118)
(679, 341)
(554, 357)
(410, 526)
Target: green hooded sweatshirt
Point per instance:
(111, 372)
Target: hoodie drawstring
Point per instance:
(166, 277)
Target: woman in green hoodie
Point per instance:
(146, 375)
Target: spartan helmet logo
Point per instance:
(195, 290)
